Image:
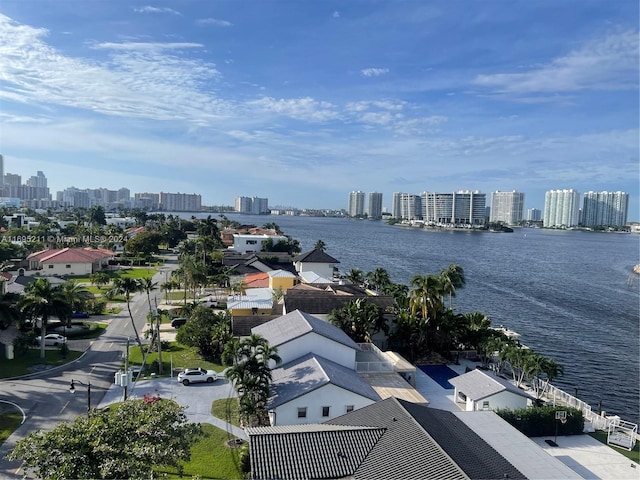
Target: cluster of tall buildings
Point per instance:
(35, 193)
(252, 205)
(357, 205)
(562, 208)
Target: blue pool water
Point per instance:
(439, 373)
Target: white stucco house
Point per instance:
(70, 261)
(482, 390)
(315, 261)
(246, 243)
(316, 379)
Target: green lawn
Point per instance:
(23, 364)
(633, 454)
(183, 357)
(226, 409)
(211, 457)
(9, 421)
(137, 272)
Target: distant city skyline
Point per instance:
(301, 102)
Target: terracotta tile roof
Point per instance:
(71, 255)
(257, 280)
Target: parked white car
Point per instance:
(209, 302)
(52, 339)
(197, 375)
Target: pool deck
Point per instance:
(586, 456)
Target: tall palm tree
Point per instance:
(320, 245)
(147, 285)
(75, 294)
(128, 286)
(378, 279)
(425, 296)
(43, 301)
(452, 278)
(360, 319)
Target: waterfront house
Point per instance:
(317, 261)
(394, 438)
(483, 390)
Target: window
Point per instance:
(302, 412)
(485, 405)
(67, 266)
(349, 408)
(325, 411)
(252, 242)
(50, 266)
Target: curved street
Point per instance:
(46, 401)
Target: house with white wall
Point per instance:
(317, 261)
(482, 390)
(316, 379)
(312, 389)
(246, 243)
(70, 261)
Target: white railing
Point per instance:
(598, 421)
(374, 367)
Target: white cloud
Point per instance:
(149, 9)
(374, 72)
(336, 14)
(299, 108)
(137, 80)
(609, 63)
(214, 21)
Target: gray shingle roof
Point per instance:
(310, 372)
(315, 256)
(296, 324)
(309, 454)
(478, 384)
(413, 442)
(405, 451)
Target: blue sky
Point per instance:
(302, 102)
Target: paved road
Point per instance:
(45, 397)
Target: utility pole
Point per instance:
(158, 322)
(126, 369)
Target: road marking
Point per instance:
(92, 369)
(65, 406)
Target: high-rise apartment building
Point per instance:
(375, 205)
(1, 171)
(561, 208)
(180, 202)
(252, 205)
(507, 207)
(605, 209)
(459, 208)
(534, 214)
(406, 206)
(356, 204)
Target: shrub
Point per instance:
(22, 343)
(541, 421)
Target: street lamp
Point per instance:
(72, 389)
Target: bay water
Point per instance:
(571, 295)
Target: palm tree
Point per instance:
(251, 376)
(42, 300)
(127, 286)
(75, 294)
(320, 245)
(378, 279)
(360, 319)
(355, 276)
(425, 296)
(452, 278)
(99, 279)
(148, 285)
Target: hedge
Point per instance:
(541, 421)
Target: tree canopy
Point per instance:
(125, 441)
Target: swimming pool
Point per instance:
(439, 373)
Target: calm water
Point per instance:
(565, 292)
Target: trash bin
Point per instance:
(9, 352)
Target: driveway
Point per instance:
(197, 398)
